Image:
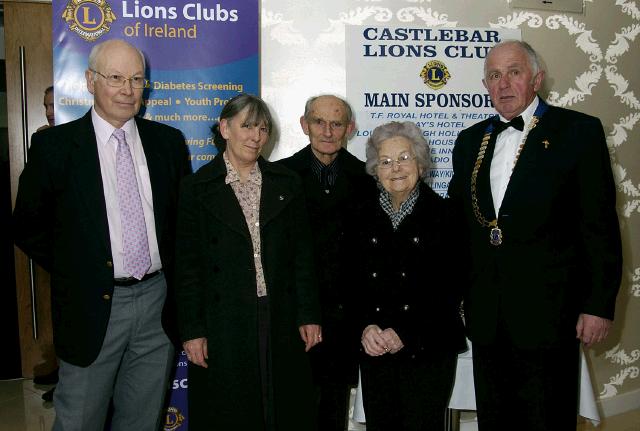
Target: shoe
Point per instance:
(47, 379)
(48, 396)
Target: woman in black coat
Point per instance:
(247, 303)
(402, 243)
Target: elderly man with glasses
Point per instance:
(96, 207)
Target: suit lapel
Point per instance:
(85, 165)
(220, 200)
(275, 194)
(483, 181)
(157, 174)
(527, 162)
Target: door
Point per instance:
(29, 66)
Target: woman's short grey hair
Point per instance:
(406, 129)
(257, 113)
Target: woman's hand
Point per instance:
(373, 342)
(311, 335)
(196, 351)
(392, 340)
(377, 342)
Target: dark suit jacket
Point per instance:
(60, 221)
(217, 299)
(335, 359)
(561, 252)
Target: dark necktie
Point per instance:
(517, 123)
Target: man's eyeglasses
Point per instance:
(403, 159)
(118, 81)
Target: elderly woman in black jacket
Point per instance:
(403, 244)
(246, 296)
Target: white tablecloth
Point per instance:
(464, 398)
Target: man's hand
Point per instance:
(197, 351)
(592, 329)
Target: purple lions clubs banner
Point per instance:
(199, 55)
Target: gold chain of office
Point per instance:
(496, 233)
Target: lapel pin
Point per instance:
(281, 197)
(546, 144)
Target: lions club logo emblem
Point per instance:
(174, 419)
(435, 74)
(90, 19)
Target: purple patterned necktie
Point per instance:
(134, 230)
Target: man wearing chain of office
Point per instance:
(535, 190)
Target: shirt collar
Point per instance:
(232, 174)
(527, 114)
(332, 168)
(103, 129)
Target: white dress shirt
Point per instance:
(107, 146)
(504, 155)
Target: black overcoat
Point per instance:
(216, 293)
(335, 359)
(408, 279)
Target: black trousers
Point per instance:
(405, 394)
(526, 389)
(264, 331)
(333, 400)
(335, 367)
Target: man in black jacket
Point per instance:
(537, 193)
(96, 207)
(332, 179)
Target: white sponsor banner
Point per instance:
(431, 76)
